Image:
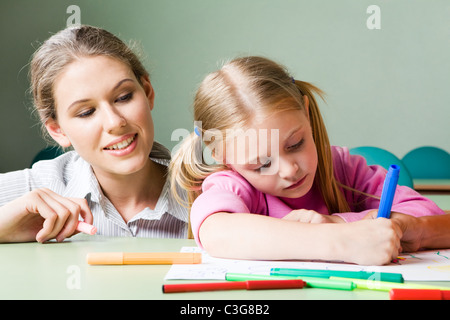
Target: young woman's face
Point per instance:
(283, 162)
(105, 114)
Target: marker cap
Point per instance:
(105, 258)
(86, 228)
(388, 192)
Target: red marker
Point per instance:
(234, 285)
(419, 294)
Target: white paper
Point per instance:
(431, 265)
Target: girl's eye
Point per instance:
(265, 165)
(297, 145)
(125, 97)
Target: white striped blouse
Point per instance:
(71, 176)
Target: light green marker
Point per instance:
(336, 284)
(386, 286)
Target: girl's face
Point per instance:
(284, 162)
(105, 114)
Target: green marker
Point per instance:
(336, 284)
(380, 276)
(387, 286)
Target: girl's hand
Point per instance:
(311, 216)
(42, 215)
(371, 241)
(410, 227)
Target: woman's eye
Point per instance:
(125, 97)
(86, 113)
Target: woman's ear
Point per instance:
(148, 89)
(57, 134)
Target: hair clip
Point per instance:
(293, 80)
(197, 131)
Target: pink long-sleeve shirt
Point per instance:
(228, 191)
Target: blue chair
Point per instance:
(384, 158)
(428, 163)
(47, 154)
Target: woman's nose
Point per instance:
(113, 119)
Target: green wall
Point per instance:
(386, 87)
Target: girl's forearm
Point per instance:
(256, 237)
(252, 236)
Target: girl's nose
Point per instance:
(288, 169)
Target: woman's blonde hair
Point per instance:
(233, 96)
(67, 46)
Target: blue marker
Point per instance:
(387, 195)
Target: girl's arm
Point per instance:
(252, 236)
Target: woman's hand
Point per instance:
(42, 215)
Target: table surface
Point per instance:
(59, 271)
(432, 184)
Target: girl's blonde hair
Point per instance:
(67, 46)
(233, 96)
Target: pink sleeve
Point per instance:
(353, 171)
(224, 191)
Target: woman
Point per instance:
(93, 94)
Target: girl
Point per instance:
(270, 198)
(92, 93)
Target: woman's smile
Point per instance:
(122, 146)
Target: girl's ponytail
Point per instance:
(325, 178)
(188, 170)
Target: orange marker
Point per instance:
(144, 258)
(86, 228)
